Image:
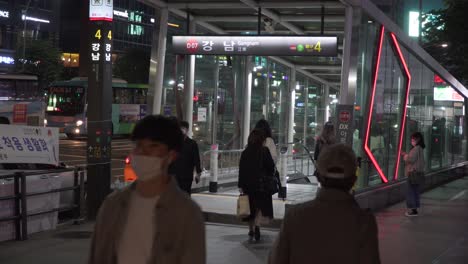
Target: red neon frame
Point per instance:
(371, 107)
(405, 102)
(371, 104)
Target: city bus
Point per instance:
(21, 100)
(67, 106)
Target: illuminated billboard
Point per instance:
(447, 94)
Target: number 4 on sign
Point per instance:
(109, 35)
(98, 34)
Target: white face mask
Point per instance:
(147, 167)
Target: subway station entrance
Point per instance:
(379, 82)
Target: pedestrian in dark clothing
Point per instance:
(326, 138)
(332, 228)
(255, 164)
(187, 161)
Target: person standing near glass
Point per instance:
(414, 171)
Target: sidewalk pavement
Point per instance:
(438, 236)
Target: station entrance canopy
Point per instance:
(278, 18)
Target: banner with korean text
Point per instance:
(28, 144)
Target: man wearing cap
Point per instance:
(332, 228)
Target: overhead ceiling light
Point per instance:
(24, 17)
(173, 25)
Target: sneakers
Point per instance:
(412, 212)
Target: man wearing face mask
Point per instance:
(187, 161)
(151, 221)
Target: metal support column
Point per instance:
(214, 120)
(189, 86)
(326, 103)
(267, 92)
(350, 56)
(292, 102)
(157, 61)
(306, 111)
(99, 113)
(247, 93)
(213, 187)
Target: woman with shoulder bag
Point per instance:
(256, 164)
(414, 171)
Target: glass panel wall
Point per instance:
(434, 108)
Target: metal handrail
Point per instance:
(20, 198)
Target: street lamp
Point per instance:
(444, 45)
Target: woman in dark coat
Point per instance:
(256, 162)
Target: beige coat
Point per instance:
(414, 160)
(331, 229)
(179, 236)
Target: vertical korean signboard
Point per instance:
(344, 124)
(99, 103)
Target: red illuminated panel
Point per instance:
(371, 107)
(405, 102)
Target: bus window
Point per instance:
(66, 101)
(7, 90)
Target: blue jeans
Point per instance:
(412, 196)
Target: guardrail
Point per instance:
(223, 165)
(21, 194)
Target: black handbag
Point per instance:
(270, 184)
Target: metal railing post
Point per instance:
(24, 207)
(76, 193)
(82, 194)
(17, 206)
(214, 168)
(283, 161)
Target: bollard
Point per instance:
(214, 168)
(17, 206)
(283, 162)
(24, 207)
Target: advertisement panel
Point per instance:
(256, 45)
(447, 94)
(26, 144)
(101, 10)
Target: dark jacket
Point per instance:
(252, 165)
(179, 235)
(331, 229)
(320, 145)
(187, 161)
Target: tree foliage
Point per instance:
(133, 66)
(448, 26)
(41, 58)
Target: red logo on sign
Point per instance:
(345, 116)
(19, 113)
(192, 45)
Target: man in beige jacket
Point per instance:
(151, 221)
(331, 229)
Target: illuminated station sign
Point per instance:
(326, 46)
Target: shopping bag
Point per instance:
(243, 206)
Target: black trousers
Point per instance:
(186, 185)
